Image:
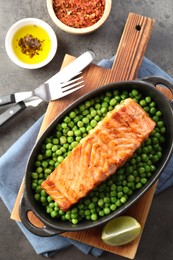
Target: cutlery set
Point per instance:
(63, 83)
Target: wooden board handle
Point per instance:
(132, 47)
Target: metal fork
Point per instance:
(43, 93)
(49, 92)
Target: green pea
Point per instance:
(78, 138)
(67, 119)
(147, 168)
(74, 210)
(82, 107)
(85, 112)
(43, 199)
(119, 188)
(113, 199)
(74, 221)
(72, 114)
(34, 175)
(68, 215)
(104, 110)
(106, 199)
(148, 99)
(38, 163)
(38, 189)
(113, 207)
(60, 158)
(49, 146)
(141, 170)
(93, 123)
(40, 157)
(147, 109)
(47, 171)
(101, 213)
(64, 125)
(153, 110)
(152, 104)
(118, 98)
(77, 132)
(87, 212)
(43, 193)
(123, 199)
(34, 185)
(125, 189)
(63, 140)
(131, 178)
(48, 153)
(80, 123)
(70, 139)
(106, 211)
(119, 194)
(94, 217)
(160, 124)
(144, 158)
(142, 103)
(88, 128)
(71, 124)
(100, 203)
(143, 180)
(138, 185)
(61, 212)
(113, 102)
(156, 118)
(49, 199)
(85, 120)
(54, 214)
(37, 197)
(93, 113)
(158, 113)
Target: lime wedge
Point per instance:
(120, 231)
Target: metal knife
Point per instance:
(18, 107)
(62, 76)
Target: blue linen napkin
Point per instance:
(9, 185)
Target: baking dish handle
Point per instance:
(39, 231)
(156, 80)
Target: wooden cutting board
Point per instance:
(129, 56)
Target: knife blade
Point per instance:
(62, 76)
(18, 107)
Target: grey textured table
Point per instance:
(157, 238)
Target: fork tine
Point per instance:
(71, 86)
(75, 77)
(69, 83)
(71, 91)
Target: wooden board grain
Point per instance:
(128, 59)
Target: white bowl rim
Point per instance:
(28, 21)
(108, 4)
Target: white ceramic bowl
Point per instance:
(49, 43)
(79, 31)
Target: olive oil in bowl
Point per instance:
(34, 50)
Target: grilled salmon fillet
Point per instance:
(107, 147)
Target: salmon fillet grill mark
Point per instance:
(106, 148)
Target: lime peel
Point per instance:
(120, 231)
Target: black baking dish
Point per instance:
(51, 227)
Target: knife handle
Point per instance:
(8, 99)
(11, 112)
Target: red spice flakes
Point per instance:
(79, 13)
